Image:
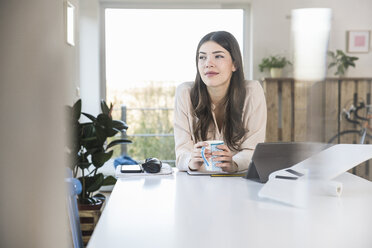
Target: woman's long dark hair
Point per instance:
(233, 103)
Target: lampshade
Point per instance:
(310, 34)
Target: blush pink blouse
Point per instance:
(254, 119)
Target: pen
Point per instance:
(229, 175)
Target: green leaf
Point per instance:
(77, 110)
(330, 53)
(112, 132)
(82, 161)
(118, 142)
(100, 196)
(331, 65)
(273, 62)
(88, 129)
(91, 117)
(88, 139)
(341, 61)
(89, 135)
(104, 107)
(98, 159)
(120, 125)
(339, 53)
(107, 125)
(93, 150)
(109, 180)
(101, 135)
(83, 165)
(104, 119)
(94, 183)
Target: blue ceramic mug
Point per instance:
(210, 165)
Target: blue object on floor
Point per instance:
(124, 159)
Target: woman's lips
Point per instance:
(211, 73)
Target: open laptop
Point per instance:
(270, 157)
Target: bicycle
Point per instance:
(365, 129)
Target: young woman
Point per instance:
(219, 105)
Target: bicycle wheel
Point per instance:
(349, 137)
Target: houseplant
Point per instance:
(341, 61)
(275, 64)
(89, 150)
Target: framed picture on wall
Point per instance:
(358, 41)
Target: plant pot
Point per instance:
(276, 72)
(89, 215)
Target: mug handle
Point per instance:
(203, 156)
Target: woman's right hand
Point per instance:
(196, 157)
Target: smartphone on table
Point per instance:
(133, 168)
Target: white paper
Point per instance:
(331, 188)
(292, 192)
(299, 193)
(315, 175)
(335, 160)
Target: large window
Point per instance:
(148, 52)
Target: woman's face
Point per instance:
(215, 65)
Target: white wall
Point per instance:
(89, 56)
(271, 28)
(73, 66)
(270, 33)
(37, 73)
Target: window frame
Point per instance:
(247, 30)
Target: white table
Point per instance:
(201, 211)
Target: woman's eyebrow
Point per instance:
(212, 52)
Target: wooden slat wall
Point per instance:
(292, 105)
(287, 100)
(272, 110)
(300, 111)
(331, 114)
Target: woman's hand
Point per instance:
(225, 156)
(196, 157)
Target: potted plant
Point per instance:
(341, 61)
(275, 64)
(89, 150)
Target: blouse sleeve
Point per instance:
(254, 119)
(182, 132)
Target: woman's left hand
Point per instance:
(225, 156)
